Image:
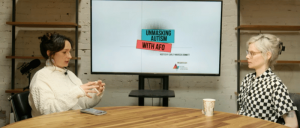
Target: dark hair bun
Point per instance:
(45, 37)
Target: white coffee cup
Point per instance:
(208, 107)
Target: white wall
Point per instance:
(189, 90)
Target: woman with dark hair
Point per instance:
(262, 94)
(56, 89)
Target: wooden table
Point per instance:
(145, 117)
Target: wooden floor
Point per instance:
(144, 117)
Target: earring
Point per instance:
(53, 61)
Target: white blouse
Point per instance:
(51, 90)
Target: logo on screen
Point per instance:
(175, 66)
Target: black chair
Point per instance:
(296, 99)
(20, 106)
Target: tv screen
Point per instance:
(156, 37)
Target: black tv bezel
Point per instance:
(158, 74)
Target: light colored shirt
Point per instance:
(51, 90)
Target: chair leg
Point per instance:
(14, 110)
(12, 118)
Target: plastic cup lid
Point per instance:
(207, 99)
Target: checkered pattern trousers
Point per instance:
(264, 97)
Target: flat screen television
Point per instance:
(156, 37)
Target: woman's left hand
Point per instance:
(101, 87)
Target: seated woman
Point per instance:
(262, 94)
(54, 88)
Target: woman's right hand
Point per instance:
(88, 88)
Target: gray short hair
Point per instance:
(267, 43)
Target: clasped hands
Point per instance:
(89, 88)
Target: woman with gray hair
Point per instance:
(262, 94)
